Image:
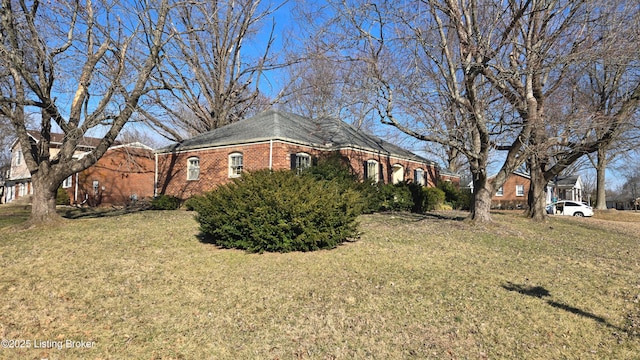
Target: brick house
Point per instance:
(125, 171)
(124, 174)
(513, 194)
(279, 140)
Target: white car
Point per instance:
(569, 208)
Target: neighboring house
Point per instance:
(513, 194)
(124, 173)
(448, 176)
(565, 188)
(279, 140)
(619, 203)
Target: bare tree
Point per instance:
(104, 52)
(213, 67)
(423, 58)
(606, 87)
(6, 137)
(481, 76)
(554, 41)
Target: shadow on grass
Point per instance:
(409, 216)
(11, 215)
(540, 292)
(92, 213)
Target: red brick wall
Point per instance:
(120, 173)
(454, 179)
(214, 171)
(509, 199)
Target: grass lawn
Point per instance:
(141, 286)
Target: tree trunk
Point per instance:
(43, 202)
(601, 166)
(537, 198)
(482, 192)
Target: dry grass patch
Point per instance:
(142, 286)
(11, 214)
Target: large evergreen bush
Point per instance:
(396, 197)
(433, 199)
(458, 198)
(336, 168)
(278, 211)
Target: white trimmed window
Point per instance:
(519, 190)
(235, 165)
(418, 177)
(300, 161)
(372, 170)
(19, 157)
(500, 192)
(67, 182)
(193, 168)
(397, 174)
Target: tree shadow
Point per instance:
(540, 292)
(93, 212)
(535, 291)
(454, 215)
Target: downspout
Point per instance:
(270, 154)
(155, 178)
(75, 191)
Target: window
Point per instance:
(67, 182)
(500, 192)
(235, 165)
(19, 157)
(397, 174)
(418, 177)
(300, 161)
(371, 170)
(519, 190)
(193, 168)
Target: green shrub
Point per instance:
(335, 168)
(418, 197)
(165, 202)
(396, 197)
(278, 211)
(192, 203)
(451, 192)
(433, 199)
(62, 197)
(457, 198)
(464, 199)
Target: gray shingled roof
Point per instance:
(569, 181)
(324, 133)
